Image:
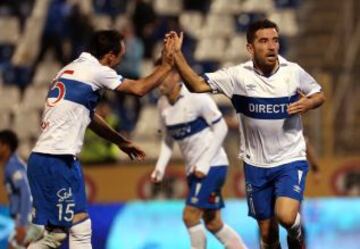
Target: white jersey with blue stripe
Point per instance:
(188, 122)
(268, 135)
(70, 104)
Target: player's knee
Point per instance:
(191, 216)
(81, 232)
(214, 226)
(286, 220)
(213, 223)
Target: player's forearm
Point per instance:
(194, 82)
(145, 85)
(220, 130)
(164, 156)
(102, 129)
(317, 99)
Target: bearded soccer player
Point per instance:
(269, 94)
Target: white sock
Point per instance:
(80, 235)
(197, 236)
(295, 230)
(229, 238)
(275, 245)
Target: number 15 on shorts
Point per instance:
(65, 211)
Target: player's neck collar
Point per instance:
(267, 75)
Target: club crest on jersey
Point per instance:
(58, 92)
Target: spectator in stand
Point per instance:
(145, 22)
(80, 30)
(128, 106)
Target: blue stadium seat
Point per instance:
(287, 3)
(13, 75)
(244, 19)
(110, 7)
(6, 51)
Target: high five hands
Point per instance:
(172, 44)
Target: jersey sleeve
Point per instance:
(208, 109)
(221, 81)
(108, 78)
(308, 84)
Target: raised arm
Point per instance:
(142, 86)
(194, 82)
(102, 129)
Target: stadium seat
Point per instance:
(257, 5)
(26, 122)
(6, 51)
(286, 20)
(34, 97)
(225, 7)
(168, 7)
(236, 50)
(210, 49)
(100, 22)
(145, 129)
(243, 20)
(45, 72)
(4, 119)
(9, 97)
(287, 3)
(10, 29)
(218, 25)
(191, 22)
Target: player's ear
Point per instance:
(250, 49)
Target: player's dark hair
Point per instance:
(257, 25)
(103, 42)
(9, 138)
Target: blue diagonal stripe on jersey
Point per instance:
(263, 108)
(183, 130)
(78, 92)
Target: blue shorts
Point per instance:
(205, 193)
(58, 189)
(264, 185)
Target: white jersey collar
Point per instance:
(89, 57)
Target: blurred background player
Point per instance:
(196, 124)
(269, 93)
(55, 175)
(19, 195)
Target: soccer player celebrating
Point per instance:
(19, 195)
(269, 94)
(196, 124)
(54, 172)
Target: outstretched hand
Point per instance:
(167, 53)
(177, 40)
(132, 151)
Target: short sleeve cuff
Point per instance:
(213, 87)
